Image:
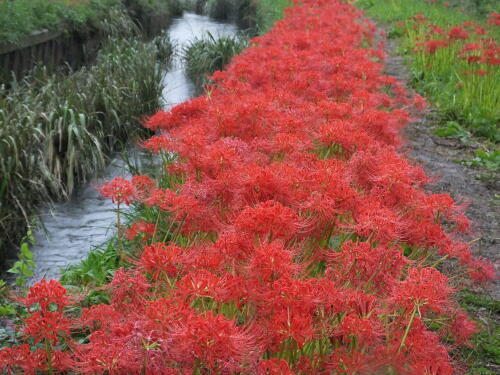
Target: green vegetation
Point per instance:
(255, 16)
(483, 356)
(220, 9)
(57, 130)
(268, 12)
(206, 55)
(22, 17)
(19, 18)
(449, 59)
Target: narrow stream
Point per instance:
(74, 228)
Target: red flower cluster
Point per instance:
(303, 238)
(468, 41)
(120, 190)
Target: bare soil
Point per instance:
(438, 156)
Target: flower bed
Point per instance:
(290, 237)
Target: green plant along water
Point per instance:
(444, 51)
(56, 131)
(206, 55)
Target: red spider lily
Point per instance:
(494, 19)
(458, 32)
(269, 220)
(160, 258)
(274, 366)
(119, 190)
(143, 186)
(140, 228)
(431, 46)
(47, 294)
(302, 235)
(424, 290)
(212, 343)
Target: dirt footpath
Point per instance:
(437, 155)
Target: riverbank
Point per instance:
(57, 130)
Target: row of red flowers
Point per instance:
(305, 241)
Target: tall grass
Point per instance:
(56, 130)
(461, 91)
(204, 56)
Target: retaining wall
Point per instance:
(52, 48)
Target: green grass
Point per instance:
(451, 83)
(19, 18)
(483, 357)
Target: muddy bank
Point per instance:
(439, 156)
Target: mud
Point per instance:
(438, 156)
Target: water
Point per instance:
(74, 228)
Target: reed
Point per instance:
(57, 131)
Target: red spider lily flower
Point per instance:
(420, 18)
(462, 328)
(274, 366)
(481, 270)
(458, 32)
(471, 47)
(433, 360)
(20, 359)
(47, 325)
(160, 258)
(47, 294)
(494, 19)
(158, 143)
(119, 190)
(269, 220)
(365, 331)
(128, 289)
(213, 343)
(425, 289)
(143, 186)
(431, 46)
(272, 261)
(140, 228)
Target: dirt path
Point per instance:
(437, 155)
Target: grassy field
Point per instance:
(453, 58)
